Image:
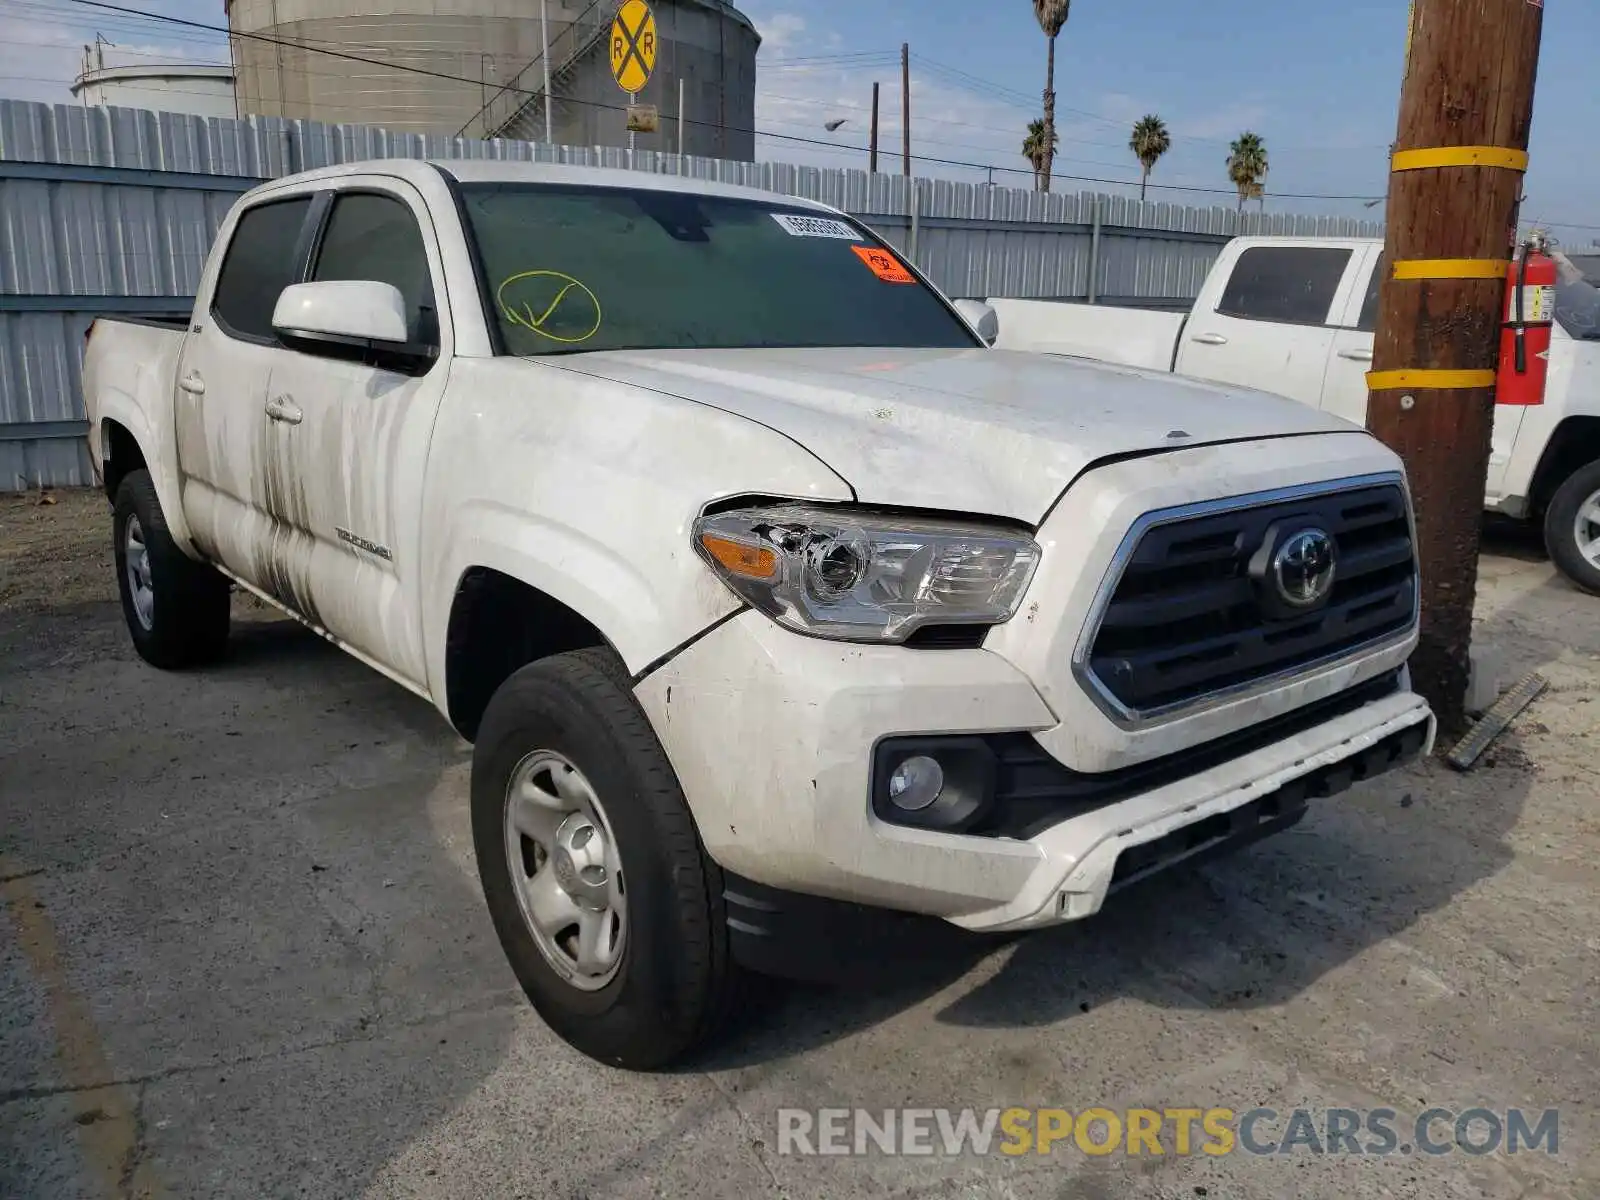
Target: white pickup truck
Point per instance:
(768, 593)
(1295, 316)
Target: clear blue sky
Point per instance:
(1319, 82)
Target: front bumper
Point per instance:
(772, 736)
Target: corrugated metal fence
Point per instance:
(113, 211)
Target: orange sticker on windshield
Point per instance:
(884, 265)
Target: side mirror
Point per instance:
(982, 318)
(354, 319)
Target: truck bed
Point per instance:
(130, 370)
(1133, 337)
(167, 321)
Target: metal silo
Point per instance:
(491, 52)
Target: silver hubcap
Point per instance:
(565, 869)
(1586, 529)
(140, 587)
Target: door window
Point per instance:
(1368, 321)
(1291, 285)
(375, 237)
(260, 263)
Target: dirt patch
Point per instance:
(55, 549)
(56, 554)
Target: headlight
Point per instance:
(866, 577)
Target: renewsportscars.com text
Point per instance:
(1378, 1132)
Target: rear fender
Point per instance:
(136, 393)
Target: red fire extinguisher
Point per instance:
(1525, 336)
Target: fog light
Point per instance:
(916, 783)
(943, 783)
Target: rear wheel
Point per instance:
(606, 905)
(1572, 528)
(176, 608)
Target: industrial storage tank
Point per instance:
(170, 87)
(486, 72)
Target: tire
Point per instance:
(181, 618)
(674, 981)
(1578, 497)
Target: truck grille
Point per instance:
(1198, 611)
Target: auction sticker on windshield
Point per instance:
(823, 227)
(884, 265)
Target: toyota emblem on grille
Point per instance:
(1304, 567)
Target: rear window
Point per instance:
(259, 264)
(1293, 285)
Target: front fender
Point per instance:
(641, 622)
(588, 491)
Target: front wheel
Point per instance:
(176, 608)
(1572, 528)
(604, 900)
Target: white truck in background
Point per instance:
(1295, 316)
(769, 594)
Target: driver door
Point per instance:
(352, 438)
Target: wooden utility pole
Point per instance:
(1459, 157)
(905, 102)
(873, 164)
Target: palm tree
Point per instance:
(1052, 15)
(1247, 165)
(1149, 142)
(1033, 149)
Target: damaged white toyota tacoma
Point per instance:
(762, 585)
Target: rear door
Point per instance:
(223, 442)
(1350, 358)
(1270, 324)
(1344, 389)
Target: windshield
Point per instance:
(571, 269)
(1577, 301)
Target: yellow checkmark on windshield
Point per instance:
(523, 314)
(538, 323)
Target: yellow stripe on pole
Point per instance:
(1383, 381)
(1451, 268)
(1460, 156)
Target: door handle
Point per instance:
(282, 408)
(1209, 339)
(1356, 355)
(193, 384)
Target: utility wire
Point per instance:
(786, 137)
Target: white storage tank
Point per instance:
(168, 87)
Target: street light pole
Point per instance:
(1456, 183)
(905, 103)
(872, 161)
(544, 53)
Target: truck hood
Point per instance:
(976, 431)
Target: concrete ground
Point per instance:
(243, 954)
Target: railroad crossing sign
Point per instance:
(633, 46)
